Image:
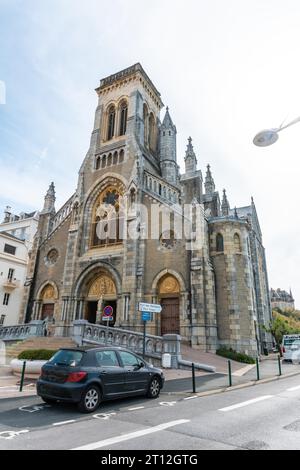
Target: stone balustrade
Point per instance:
(21, 332)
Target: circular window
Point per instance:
(52, 257)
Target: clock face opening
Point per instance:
(265, 138)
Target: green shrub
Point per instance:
(235, 356)
(37, 354)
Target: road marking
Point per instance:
(292, 389)
(190, 398)
(64, 422)
(246, 403)
(136, 408)
(34, 408)
(12, 434)
(132, 435)
(105, 416)
(168, 403)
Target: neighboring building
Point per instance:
(282, 299)
(211, 280)
(13, 266)
(22, 226)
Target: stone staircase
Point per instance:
(53, 343)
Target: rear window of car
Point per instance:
(67, 358)
(288, 341)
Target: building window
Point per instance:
(151, 132)
(2, 318)
(10, 274)
(146, 127)
(108, 222)
(237, 242)
(103, 165)
(123, 118)
(121, 156)
(9, 249)
(111, 122)
(115, 158)
(97, 165)
(6, 298)
(220, 242)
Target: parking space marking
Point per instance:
(64, 422)
(12, 434)
(104, 416)
(168, 403)
(34, 408)
(246, 403)
(190, 398)
(293, 389)
(132, 435)
(136, 408)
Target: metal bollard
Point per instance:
(194, 379)
(22, 376)
(229, 373)
(279, 365)
(257, 369)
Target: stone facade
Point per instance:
(204, 263)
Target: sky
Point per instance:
(225, 69)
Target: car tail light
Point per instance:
(76, 376)
(283, 349)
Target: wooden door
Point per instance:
(170, 322)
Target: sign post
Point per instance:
(107, 316)
(146, 310)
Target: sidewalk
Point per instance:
(10, 385)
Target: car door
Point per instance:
(136, 377)
(111, 373)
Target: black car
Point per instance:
(88, 376)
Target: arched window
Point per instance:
(115, 158)
(146, 125)
(220, 242)
(121, 156)
(97, 163)
(151, 133)
(111, 122)
(237, 243)
(123, 118)
(108, 220)
(109, 159)
(103, 165)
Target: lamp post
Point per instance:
(270, 136)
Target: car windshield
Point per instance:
(67, 358)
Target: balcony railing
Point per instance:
(11, 284)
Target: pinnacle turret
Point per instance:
(49, 201)
(190, 158)
(225, 204)
(209, 182)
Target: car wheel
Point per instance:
(49, 401)
(154, 388)
(90, 399)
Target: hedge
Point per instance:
(235, 356)
(37, 354)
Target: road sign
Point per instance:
(146, 316)
(107, 318)
(108, 311)
(152, 308)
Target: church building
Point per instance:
(139, 230)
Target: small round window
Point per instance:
(52, 257)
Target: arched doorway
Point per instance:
(169, 292)
(102, 292)
(48, 298)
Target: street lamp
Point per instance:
(270, 136)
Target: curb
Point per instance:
(234, 387)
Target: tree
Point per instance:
(278, 327)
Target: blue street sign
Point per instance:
(146, 316)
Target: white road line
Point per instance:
(136, 408)
(132, 435)
(190, 398)
(292, 389)
(64, 422)
(246, 403)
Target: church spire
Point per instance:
(190, 158)
(49, 200)
(225, 204)
(168, 157)
(209, 182)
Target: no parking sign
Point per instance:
(108, 313)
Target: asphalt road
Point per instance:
(265, 416)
